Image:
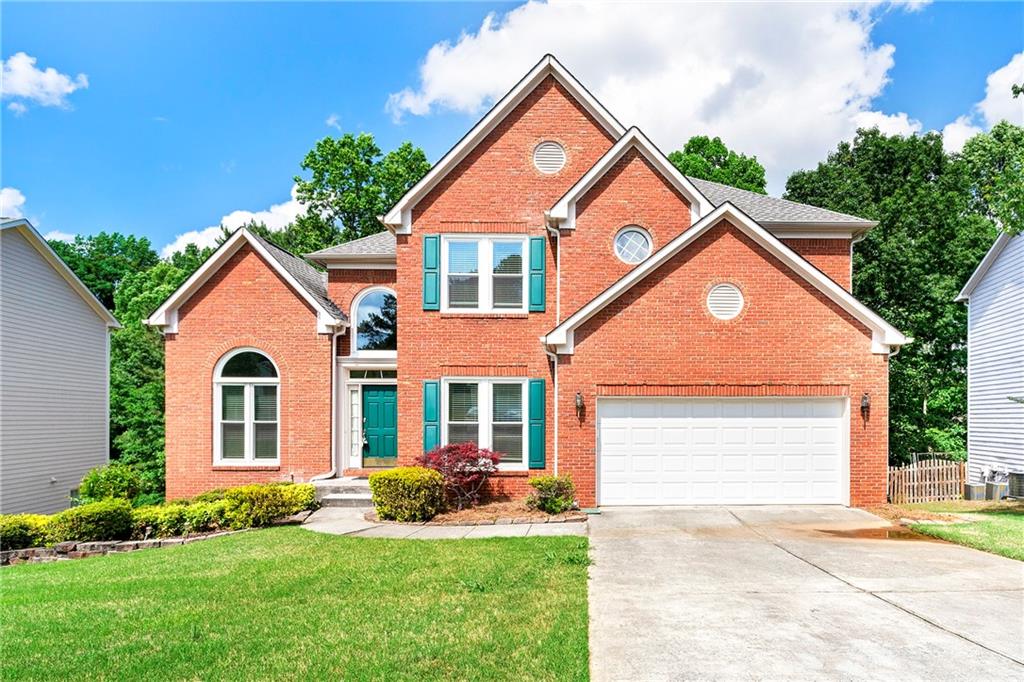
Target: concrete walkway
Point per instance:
(350, 521)
(807, 593)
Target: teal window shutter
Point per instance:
(431, 272)
(538, 407)
(431, 415)
(538, 278)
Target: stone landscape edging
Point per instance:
(81, 550)
(570, 517)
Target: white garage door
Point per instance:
(722, 451)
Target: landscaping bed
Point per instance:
(493, 513)
(287, 603)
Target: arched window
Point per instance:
(246, 406)
(376, 323)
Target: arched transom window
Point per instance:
(246, 409)
(376, 328)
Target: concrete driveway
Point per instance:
(797, 593)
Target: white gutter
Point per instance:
(334, 412)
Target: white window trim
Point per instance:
(248, 383)
(356, 302)
(484, 403)
(485, 272)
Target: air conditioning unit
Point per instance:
(1017, 485)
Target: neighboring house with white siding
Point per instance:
(54, 375)
(995, 361)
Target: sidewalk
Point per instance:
(350, 521)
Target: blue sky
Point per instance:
(194, 111)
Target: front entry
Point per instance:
(380, 426)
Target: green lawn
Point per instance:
(290, 603)
(996, 527)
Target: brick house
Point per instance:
(556, 290)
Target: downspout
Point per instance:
(334, 411)
(558, 319)
(554, 369)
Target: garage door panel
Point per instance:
(714, 451)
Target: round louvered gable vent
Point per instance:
(549, 157)
(725, 301)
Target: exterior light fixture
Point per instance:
(579, 405)
(865, 406)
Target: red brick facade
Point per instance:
(656, 339)
(246, 304)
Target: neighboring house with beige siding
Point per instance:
(995, 362)
(54, 375)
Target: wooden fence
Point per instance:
(927, 480)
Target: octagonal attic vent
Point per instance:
(725, 301)
(549, 157)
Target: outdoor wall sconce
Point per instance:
(865, 406)
(579, 405)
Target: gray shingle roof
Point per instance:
(381, 244)
(311, 279)
(766, 209)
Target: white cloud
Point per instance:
(49, 88)
(889, 124)
(999, 103)
(276, 218)
(333, 121)
(59, 236)
(12, 203)
(955, 134)
(784, 81)
(18, 108)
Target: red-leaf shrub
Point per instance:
(465, 469)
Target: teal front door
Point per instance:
(380, 426)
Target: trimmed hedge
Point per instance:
(112, 519)
(104, 520)
(553, 494)
(18, 531)
(407, 493)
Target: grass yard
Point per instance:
(286, 603)
(996, 527)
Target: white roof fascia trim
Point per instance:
(799, 234)
(40, 244)
(979, 273)
(399, 218)
(563, 213)
(166, 316)
(884, 335)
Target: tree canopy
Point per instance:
(709, 159)
(909, 269)
(995, 163)
(352, 182)
(102, 261)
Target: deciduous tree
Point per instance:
(709, 159)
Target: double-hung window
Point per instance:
(490, 413)
(484, 274)
(246, 408)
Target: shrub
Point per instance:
(251, 506)
(164, 521)
(465, 469)
(109, 519)
(407, 493)
(158, 521)
(18, 531)
(115, 480)
(553, 494)
(209, 496)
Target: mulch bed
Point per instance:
(896, 514)
(493, 513)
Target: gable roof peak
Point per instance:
(399, 217)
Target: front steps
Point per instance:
(343, 492)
